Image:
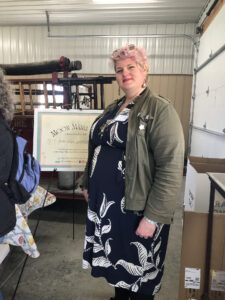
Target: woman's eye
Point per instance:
(118, 71)
(130, 67)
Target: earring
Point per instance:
(143, 85)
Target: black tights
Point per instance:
(122, 294)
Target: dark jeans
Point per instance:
(122, 294)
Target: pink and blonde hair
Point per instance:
(138, 54)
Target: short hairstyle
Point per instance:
(131, 51)
(6, 99)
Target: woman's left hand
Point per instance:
(145, 229)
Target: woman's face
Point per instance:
(130, 75)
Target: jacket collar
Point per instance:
(138, 101)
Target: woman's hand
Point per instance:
(85, 194)
(145, 229)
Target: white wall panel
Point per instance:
(209, 105)
(212, 39)
(31, 44)
(207, 145)
(210, 92)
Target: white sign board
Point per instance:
(61, 138)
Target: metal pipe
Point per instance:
(190, 37)
(123, 36)
(193, 99)
(218, 52)
(209, 131)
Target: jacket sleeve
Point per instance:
(166, 141)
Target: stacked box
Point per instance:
(193, 253)
(197, 186)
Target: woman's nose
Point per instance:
(125, 72)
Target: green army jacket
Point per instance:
(154, 157)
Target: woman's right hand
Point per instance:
(85, 194)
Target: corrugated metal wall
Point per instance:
(208, 136)
(24, 44)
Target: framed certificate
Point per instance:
(61, 138)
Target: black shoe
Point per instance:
(112, 298)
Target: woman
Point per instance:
(7, 209)
(131, 181)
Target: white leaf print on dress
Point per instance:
(134, 287)
(121, 169)
(114, 134)
(89, 239)
(92, 216)
(122, 205)
(94, 160)
(150, 276)
(106, 228)
(157, 260)
(101, 262)
(159, 228)
(107, 247)
(157, 247)
(131, 268)
(85, 264)
(123, 285)
(105, 206)
(157, 288)
(148, 266)
(97, 248)
(142, 253)
(97, 232)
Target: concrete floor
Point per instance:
(57, 273)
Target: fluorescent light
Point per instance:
(120, 1)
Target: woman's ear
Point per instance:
(146, 68)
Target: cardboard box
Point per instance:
(192, 269)
(197, 186)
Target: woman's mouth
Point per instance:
(126, 79)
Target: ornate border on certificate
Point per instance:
(61, 138)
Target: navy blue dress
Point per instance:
(112, 248)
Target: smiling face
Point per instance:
(130, 76)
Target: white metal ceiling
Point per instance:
(33, 12)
